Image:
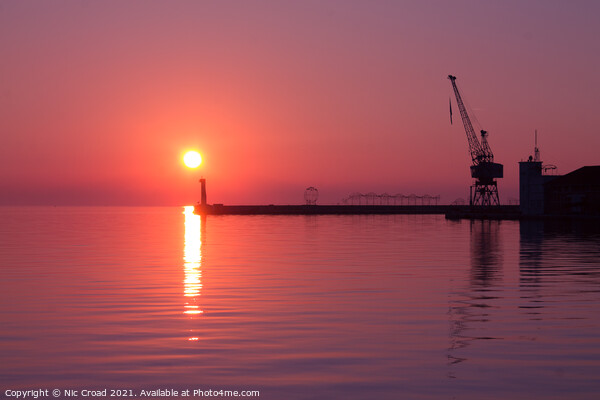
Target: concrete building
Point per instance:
(531, 187)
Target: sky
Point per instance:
(100, 100)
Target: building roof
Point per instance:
(589, 175)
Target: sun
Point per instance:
(192, 159)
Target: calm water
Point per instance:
(298, 307)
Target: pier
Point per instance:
(450, 211)
(310, 208)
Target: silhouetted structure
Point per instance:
(484, 191)
(203, 192)
(576, 193)
(542, 192)
(531, 186)
(532, 177)
(374, 204)
(311, 195)
(386, 199)
(305, 209)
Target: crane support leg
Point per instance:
(484, 194)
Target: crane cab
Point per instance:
(487, 171)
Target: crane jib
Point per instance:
(479, 153)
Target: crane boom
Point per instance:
(477, 153)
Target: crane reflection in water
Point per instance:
(472, 308)
(192, 262)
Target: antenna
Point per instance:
(536, 151)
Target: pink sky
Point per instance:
(99, 100)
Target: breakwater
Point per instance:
(499, 212)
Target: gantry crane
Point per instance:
(484, 191)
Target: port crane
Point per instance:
(484, 191)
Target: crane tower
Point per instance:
(484, 190)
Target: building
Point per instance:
(531, 187)
(576, 193)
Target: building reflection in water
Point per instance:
(530, 262)
(558, 259)
(192, 263)
(471, 307)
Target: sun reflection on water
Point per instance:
(192, 262)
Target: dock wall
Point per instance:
(218, 209)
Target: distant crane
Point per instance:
(484, 191)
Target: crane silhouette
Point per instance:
(484, 191)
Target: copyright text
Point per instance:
(113, 393)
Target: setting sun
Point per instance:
(192, 159)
